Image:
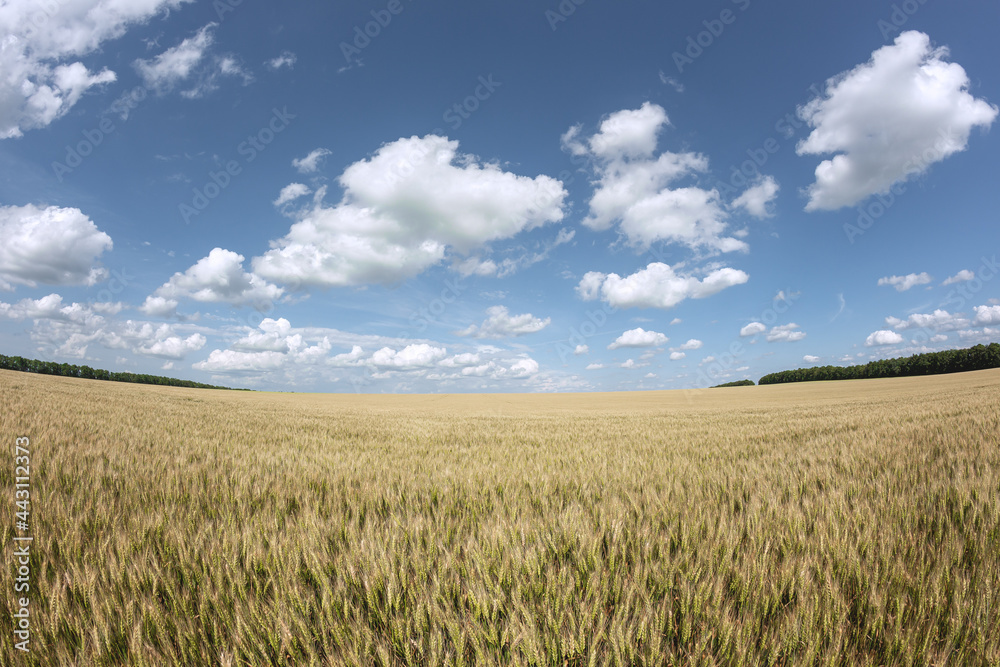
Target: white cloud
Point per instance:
(291, 192)
(677, 356)
(888, 120)
(656, 286)
(939, 320)
(402, 209)
(786, 333)
(903, 283)
(810, 359)
(692, 344)
(756, 198)
(650, 376)
(630, 363)
(501, 324)
(639, 338)
(158, 306)
(310, 163)
(676, 320)
(672, 82)
(632, 186)
(232, 361)
(475, 266)
(173, 347)
(753, 329)
(42, 79)
(987, 314)
(419, 355)
(962, 276)
(286, 59)
(217, 278)
(51, 307)
(177, 63)
(581, 349)
(883, 337)
(594, 367)
(68, 330)
(53, 246)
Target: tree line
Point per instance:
(975, 358)
(738, 383)
(70, 370)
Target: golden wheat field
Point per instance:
(854, 522)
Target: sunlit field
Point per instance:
(853, 522)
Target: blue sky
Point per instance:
(396, 196)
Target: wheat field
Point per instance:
(853, 522)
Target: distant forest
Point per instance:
(975, 358)
(738, 383)
(69, 370)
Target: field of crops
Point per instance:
(853, 522)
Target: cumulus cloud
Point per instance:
(889, 120)
(756, 198)
(962, 276)
(419, 355)
(987, 314)
(177, 63)
(785, 333)
(42, 78)
(753, 329)
(594, 367)
(501, 324)
(581, 349)
(51, 307)
(291, 192)
(310, 163)
(632, 186)
(883, 337)
(677, 356)
(639, 338)
(810, 359)
(69, 329)
(273, 345)
(53, 246)
(903, 283)
(402, 210)
(475, 266)
(656, 286)
(286, 59)
(217, 278)
(692, 344)
(939, 320)
(173, 347)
